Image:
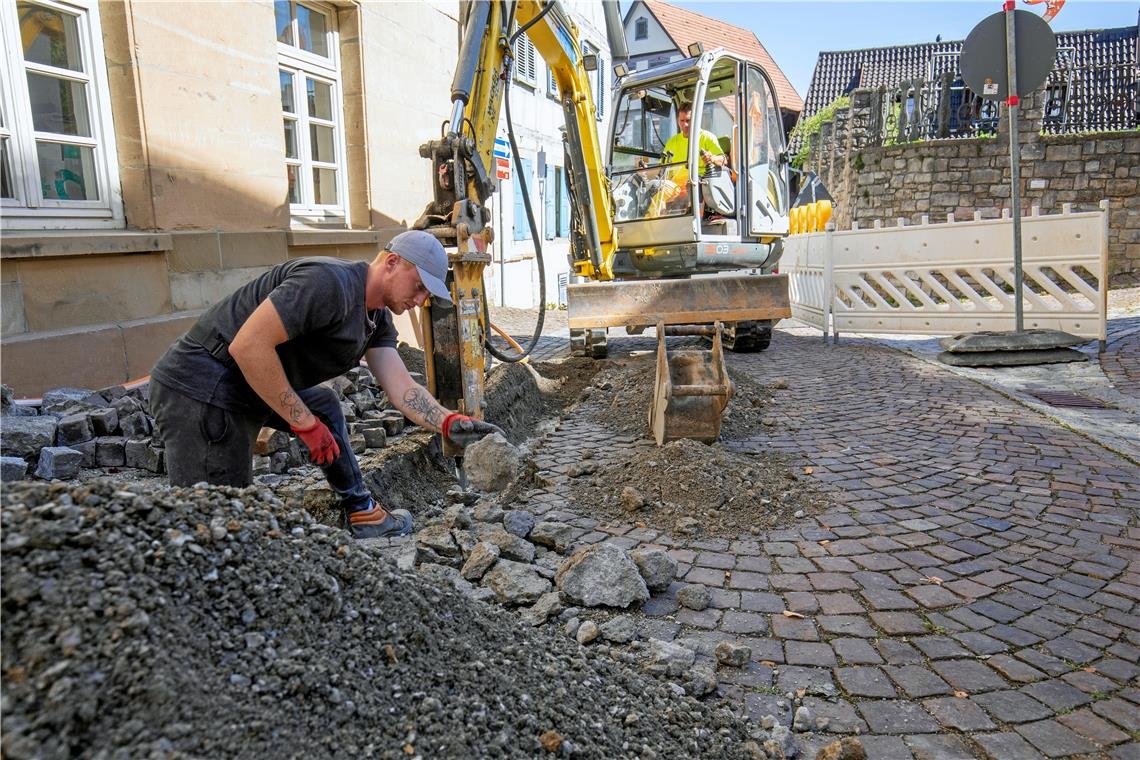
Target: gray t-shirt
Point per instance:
(321, 302)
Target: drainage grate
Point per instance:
(1068, 398)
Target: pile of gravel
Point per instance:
(218, 622)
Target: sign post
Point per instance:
(1014, 158)
(1005, 57)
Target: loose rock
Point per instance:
(491, 463)
(602, 575)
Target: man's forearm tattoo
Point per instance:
(296, 407)
(419, 401)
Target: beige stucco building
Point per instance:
(157, 154)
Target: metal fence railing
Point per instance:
(1090, 98)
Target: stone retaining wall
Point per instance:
(872, 181)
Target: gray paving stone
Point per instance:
(980, 643)
(1118, 669)
(810, 653)
(1015, 670)
(802, 602)
(855, 652)
(1057, 694)
(933, 596)
(744, 622)
(794, 677)
(756, 601)
(1007, 745)
(969, 676)
(917, 680)
(1069, 649)
(1130, 751)
(706, 575)
(1012, 706)
(1092, 727)
(892, 747)
(798, 565)
(939, 647)
(893, 716)
(704, 619)
(886, 599)
(793, 628)
(789, 582)
(899, 623)
(748, 581)
(959, 714)
(840, 714)
(846, 625)
(1089, 683)
(865, 682)
(839, 604)
(898, 652)
(1119, 712)
(759, 704)
(1046, 662)
(999, 613)
(1054, 740)
(936, 747)
(1013, 635)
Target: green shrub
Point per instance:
(811, 125)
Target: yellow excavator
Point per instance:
(677, 221)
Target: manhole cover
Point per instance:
(1068, 398)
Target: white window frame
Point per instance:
(301, 65)
(29, 209)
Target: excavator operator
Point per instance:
(257, 358)
(673, 194)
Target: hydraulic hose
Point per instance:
(500, 355)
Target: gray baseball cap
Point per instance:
(429, 258)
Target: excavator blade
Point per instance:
(691, 391)
(696, 300)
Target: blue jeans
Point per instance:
(208, 443)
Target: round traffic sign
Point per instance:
(983, 57)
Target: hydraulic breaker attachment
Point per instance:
(692, 388)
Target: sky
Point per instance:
(794, 33)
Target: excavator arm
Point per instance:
(462, 160)
(463, 157)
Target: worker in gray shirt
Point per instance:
(257, 359)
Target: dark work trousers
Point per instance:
(207, 443)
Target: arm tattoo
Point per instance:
(296, 407)
(418, 400)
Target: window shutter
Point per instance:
(550, 205)
(526, 61)
(522, 228)
(563, 204)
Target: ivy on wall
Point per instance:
(805, 128)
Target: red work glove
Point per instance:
(322, 446)
(464, 431)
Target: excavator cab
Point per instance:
(698, 169)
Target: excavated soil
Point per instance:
(219, 622)
(621, 393)
(727, 492)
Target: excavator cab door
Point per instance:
(766, 170)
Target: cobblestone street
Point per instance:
(975, 594)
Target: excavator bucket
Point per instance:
(691, 390)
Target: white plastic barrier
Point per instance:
(956, 277)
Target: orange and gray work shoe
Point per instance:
(375, 522)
